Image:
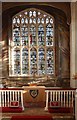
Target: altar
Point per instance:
(34, 95)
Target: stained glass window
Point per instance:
(31, 50)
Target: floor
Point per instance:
(39, 111)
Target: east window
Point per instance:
(32, 48)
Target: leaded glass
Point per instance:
(34, 21)
(38, 20)
(25, 61)
(32, 46)
(50, 61)
(18, 20)
(26, 21)
(41, 62)
(22, 20)
(16, 36)
(42, 21)
(41, 35)
(30, 21)
(33, 63)
(49, 35)
(39, 13)
(17, 69)
(30, 13)
(24, 35)
(14, 20)
(47, 20)
(34, 13)
(32, 35)
(25, 13)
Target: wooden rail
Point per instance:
(65, 97)
(11, 95)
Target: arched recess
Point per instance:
(33, 28)
(62, 63)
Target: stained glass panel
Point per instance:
(41, 62)
(50, 61)
(41, 35)
(49, 35)
(25, 61)
(17, 69)
(24, 35)
(33, 63)
(32, 35)
(16, 36)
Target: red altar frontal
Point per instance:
(34, 96)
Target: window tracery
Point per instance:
(33, 44)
